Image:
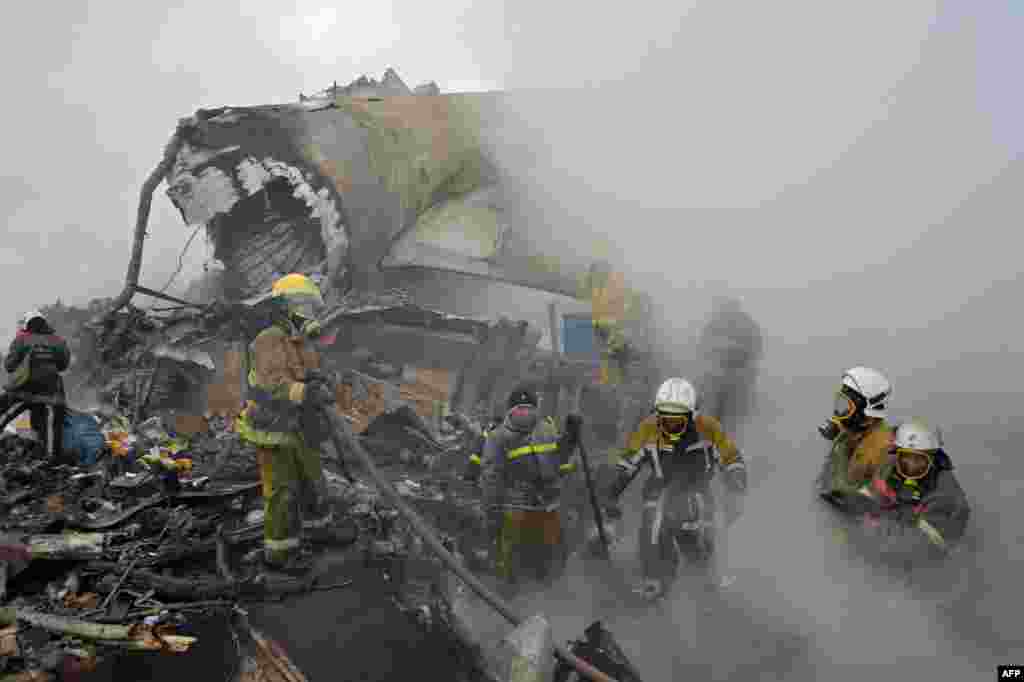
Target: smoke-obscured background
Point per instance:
(851, 171)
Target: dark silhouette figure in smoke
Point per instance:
(730, 350)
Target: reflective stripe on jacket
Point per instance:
(524, 471)
(35, 362)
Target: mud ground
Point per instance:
(352, 634)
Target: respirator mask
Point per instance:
(523, 418)
(847, 412)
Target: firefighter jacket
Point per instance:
(707, 428)
(472, 471)
(35, 362)
(524, 471)
(279, 358)
(937, 499)
(854, 459)
(675, 458)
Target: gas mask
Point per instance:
(308, 328)
(672, 426)
(912, 467)
(847, 413)
(303, 310)
(523, 418)
(908, 491)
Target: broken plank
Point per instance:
(132, 636)
(75, 546)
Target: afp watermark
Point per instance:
(1010, 672)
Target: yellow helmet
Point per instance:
(295, 283)
(301, 293)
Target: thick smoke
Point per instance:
(830, 164)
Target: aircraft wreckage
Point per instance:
(393, 199)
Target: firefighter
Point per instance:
(35, 362)
(609, 297)
(859, 433)
(917, 490)
(730, 347)
(523, 463)
(283, 420)
(679, 445)
(472, 471)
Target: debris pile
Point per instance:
(166, 520)
(119, 554)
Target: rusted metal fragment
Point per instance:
(379, 176)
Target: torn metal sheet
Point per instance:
(192, 355)
(363, 176)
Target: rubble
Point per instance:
(110, 553)
(147, 541)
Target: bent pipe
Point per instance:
(154, 179)
(343, 441)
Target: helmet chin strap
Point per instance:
(910, 490)
(857, 422)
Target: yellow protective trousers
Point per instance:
(530, 545)
(294, 499)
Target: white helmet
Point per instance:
(674, 404)
(916, 444)
(871, 385)
(916, 434)
(29, 316)
(675, 396)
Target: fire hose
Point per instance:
(343, 440)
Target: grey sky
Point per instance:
(813, 155)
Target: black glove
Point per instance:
(573, 426)
(736, 477)
(317, 376)
(319, 394)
